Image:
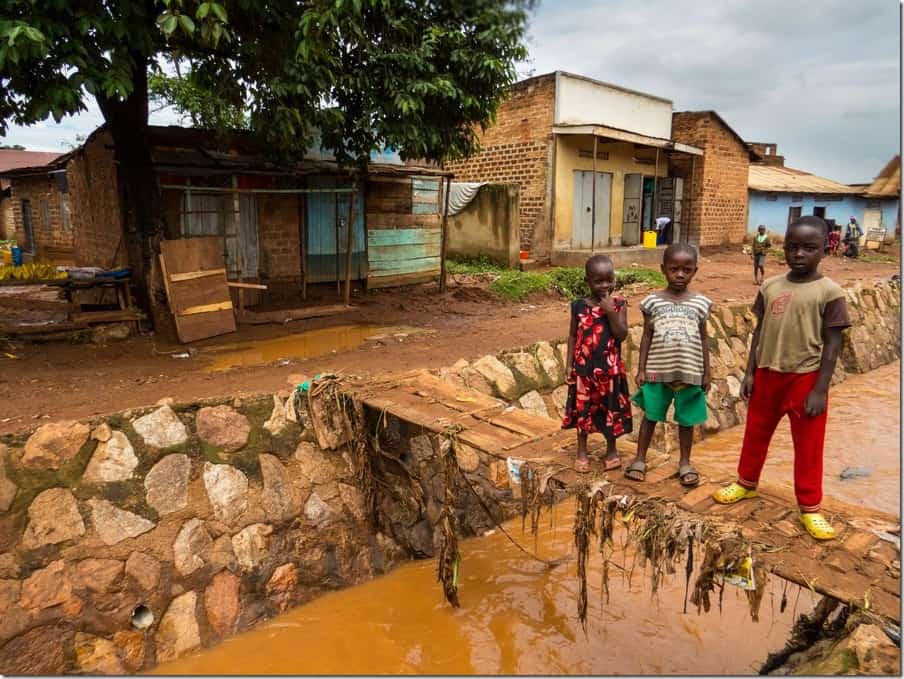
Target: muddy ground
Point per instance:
(58, 380)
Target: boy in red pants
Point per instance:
(792, 358)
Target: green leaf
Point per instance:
(220, 11)
(203, 10)
(187, 24)
(169, 25)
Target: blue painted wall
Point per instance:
(774, 213)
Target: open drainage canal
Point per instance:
(307, 344)
(517, 617)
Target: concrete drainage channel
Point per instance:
(132, 539)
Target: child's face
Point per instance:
(762, 230)
(804, 248)
(600, 279)
(679, 270)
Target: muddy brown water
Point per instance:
(517, 617)
(302, 345)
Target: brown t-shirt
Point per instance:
(792, 317)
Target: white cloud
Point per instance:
(821, 78)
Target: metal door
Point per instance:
(327, 233)
(585, 233)
(631, 215)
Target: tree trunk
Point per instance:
(143, 224)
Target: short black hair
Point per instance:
(809, 220)
(593, 260)
(675, 248)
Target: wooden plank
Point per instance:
(11, 302)
(166, 284)
(206, 308)
(414, 265)
(246, 286)
(187, 255)
(403, 279)
(192, 275)
(403, 237)
(82, 317)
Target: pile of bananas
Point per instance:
(31, 271)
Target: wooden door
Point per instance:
(631, 214)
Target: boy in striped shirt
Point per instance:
(673, 362)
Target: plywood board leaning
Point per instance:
(196, 284)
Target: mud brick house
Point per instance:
(592, 161)
(284, 226)
(45, 203)
(715, 206)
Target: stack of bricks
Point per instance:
(716, 200)
(516, 150)
(280, 249)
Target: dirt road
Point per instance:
(73, 381)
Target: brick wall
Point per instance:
(53, 240)
(280, 250)
(515, 150)
(94, 205)
(716, 196)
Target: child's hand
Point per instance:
(747, 387)
(640, 378)
(607, 304)
(707, 381)
(816, 402)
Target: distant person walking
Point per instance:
(761, 247)
(852, 234)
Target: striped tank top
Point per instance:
(676, 350)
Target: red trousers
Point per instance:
(776, 394)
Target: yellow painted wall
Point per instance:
(620, 162)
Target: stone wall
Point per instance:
(516, 149)
(129, 540)
(533, 377)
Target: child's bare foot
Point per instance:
(612, 460)
(581, 465)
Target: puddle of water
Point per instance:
(307, 344)
(863, 431)
(516, 617)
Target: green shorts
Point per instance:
(655, 398)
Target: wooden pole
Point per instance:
(336, 259)
(593, 199)
(348, 250)
(302, 238)
(442, 237)
(655, 197)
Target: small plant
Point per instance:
(517, 285)
(638, 274)
(480, 264)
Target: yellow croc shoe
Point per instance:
(817, 525)
(733, 492)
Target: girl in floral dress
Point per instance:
(597, 384)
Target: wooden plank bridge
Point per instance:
(860, 567)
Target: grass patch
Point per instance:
(872, 257)
(567, 280)
(474, 265)
(516, 285)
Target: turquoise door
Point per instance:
(327, 232)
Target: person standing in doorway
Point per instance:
(663, 231)
(761, 247)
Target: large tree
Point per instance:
(415, 75)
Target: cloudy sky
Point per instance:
(821, 78)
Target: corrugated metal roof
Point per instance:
(888, 183)
(789, 180)
(11, 159)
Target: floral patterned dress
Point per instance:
(598, 401)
